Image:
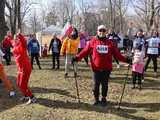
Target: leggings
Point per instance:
(7, 83)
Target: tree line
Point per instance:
(86, 15)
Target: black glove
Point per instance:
(74, 59)
(129, 60)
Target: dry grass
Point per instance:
(57, 97)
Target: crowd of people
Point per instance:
(98, 51)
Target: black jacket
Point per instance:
(58, 43)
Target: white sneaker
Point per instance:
(24, 98)
(155, 74)
(12, 94)
(31, 100)
(118, 66)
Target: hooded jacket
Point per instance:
(20, 50)
(101, 52)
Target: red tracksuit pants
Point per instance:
(24, 71)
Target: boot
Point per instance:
(96, 102)
(104, 101)
(133, 86)
(65, 75)
(139, 86)
(40, 67)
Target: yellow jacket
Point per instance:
(70, 46)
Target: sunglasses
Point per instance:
(102, 30)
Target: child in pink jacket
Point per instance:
(138, 66)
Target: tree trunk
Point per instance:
(19, 14)
(121, 16)
(15, 17)
(111, 13)
(152, 13)
(3, 27)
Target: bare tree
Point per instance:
(84, 8)
(51, 17)
(19, 14)
(12, 7)
(66, 10)
(34, 22)
(111, 13)
(121, 8)
(157, 14)
(145, 9)
(3, 27)
(17, 10)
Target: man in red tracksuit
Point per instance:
(101, 50)
(24, 66)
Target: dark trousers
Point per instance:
(154, 59)
(7, 56)
(36, 56)
(55, 57)
(137, 76)
(100, 77)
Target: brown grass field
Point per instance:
(56, 97)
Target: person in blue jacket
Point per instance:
(34, 48)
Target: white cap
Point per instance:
(101, 27)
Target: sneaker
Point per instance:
(140, 87)
(75, 74)
(118, 66)
(24, 98)
(57, 68)
(96, 103)
(12, 94)
(103, 102)
(31, 100)
(133, 86)
(155, 74)
(65, 75)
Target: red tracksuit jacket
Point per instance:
(24, 66)
(101, 52)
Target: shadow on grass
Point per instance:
(49, 90)
(147, 84)
(151, 84)
(110, 109)
(149, 107)
(5, 101)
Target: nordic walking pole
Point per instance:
(75, 77)
(124, 86)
